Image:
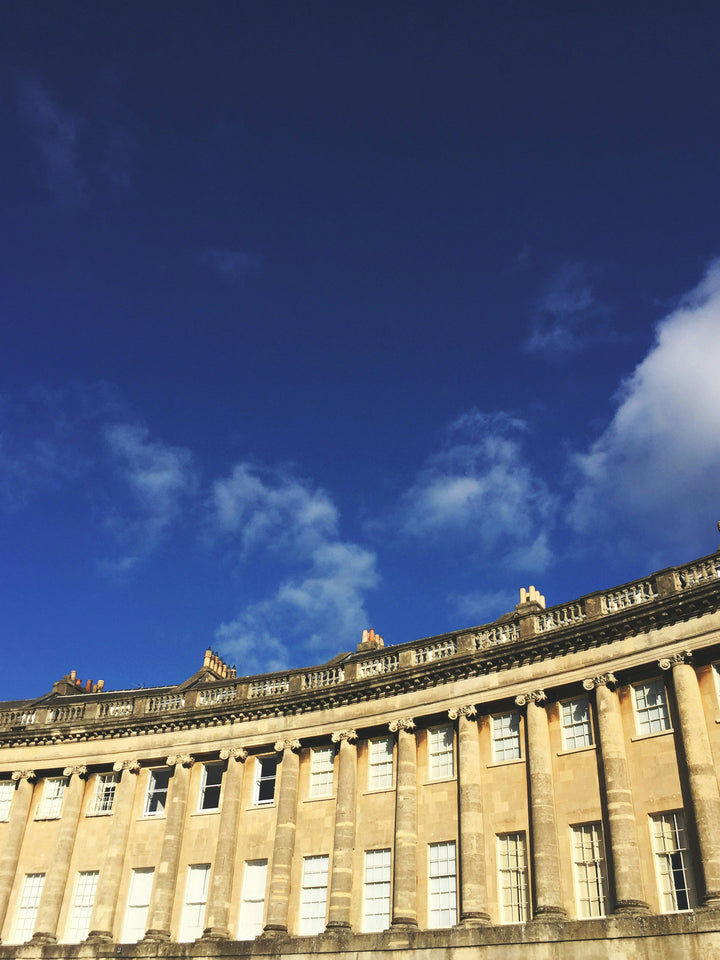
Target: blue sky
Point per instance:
(324, 316)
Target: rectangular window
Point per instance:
(7, 791)
(506, 737)
(52, 798)
(322, 763)
(104, 798)
(589, 862)
(376, 891)
(671, 861)
(442, 885)
(82, 903)
(265, 774)
(651, 710)
(440, 753)
(27, 907)
(196, 894)
(513, 878)
(380, 760)
(157, 791)
(313, 896)
(141, 882)
(576, 726)
(211, 784)
(252, 908)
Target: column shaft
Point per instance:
(471, 834)
(344, 840)
(14, 834)
(284, 845)
(404, 910)
(223, 869)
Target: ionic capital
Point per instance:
(281, 745)
(532, 696)
(80, 770)
(467, 711)
(132, 766)
(407, 724)
(180, 760)
(667, 662)
(601, 680)
(236, 753)
(23, 775)
(344, 735)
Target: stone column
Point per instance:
(701, 772)
(108, 888)
(404, 908)
(223, 869)
(284, 845)
(471, 834)
(56, 877)
(545, 853)
(344, 840)
(618, 798)
(15, 831)
(165, 880)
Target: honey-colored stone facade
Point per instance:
(542, 787)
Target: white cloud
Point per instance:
(481, 490)
(568, 315)
(657, 465)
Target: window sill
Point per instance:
(427, 783)
(650, 736)
(53, 816)
(319, 799)
(99, 813)
(506, 763)
(152, 816)
(372, 793)
(565, 753)
(205, 813)
(261, 806)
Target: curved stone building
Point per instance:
(545, 786)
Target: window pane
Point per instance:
(104, 798)
(52, 798)
(252, 908)
(670, 846)
(513, 878)
(590, 874)
(265, 773)
(82, 904)
(380, 764)
(211, 785)
(440, 749)
(506, 737)
(28, 907)
(576, 727)
(313, 899)
(322, 761)
(7, 791)
(651, 707)
(157, 793)
(196, 892)
(376, 890)
(138, 903)
(442, 885)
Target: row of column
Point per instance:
(615, 783)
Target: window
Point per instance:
(589, 862)
(210, 789)
(506, 737)
(7, 789)
(141, 882)
(442, 886)
(196, 894)
(265, 773)
(313, 896)
(576, 727)
(105, 787)
(670, 846)
(52, 798)
(440, 753)
(376, 891)
(82, 904)
(380, 754)
(651, 708)
(252, 908)
(156, 799)
(27, 907)
(322, 760)
(513, 878)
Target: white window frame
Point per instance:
(576, 730)
(381, 763)
(652, 714)
(312, 915)
(7, 792)
(138, 904)
(261, 779)
(50, 806)
(513, 880)
(590, 872)
(156, 797)
(442, 884)
(103, 799)
(252, 904)
(27, 908)
(672, 863)
(506, 739)
(377, 880)
(83, 900)
(192, 921)
(207, 790)
(322, 772)
(441, 752)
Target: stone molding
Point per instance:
(81, 771)
(344, 735)
(469, 711)
(180, 760)
(132, 766)
(532, 696)
(666, 663)
(601, 680)
(23, 775)
(281, 745)
(407, 724)
(234, 753)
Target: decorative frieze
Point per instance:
(532, 696)
(281, 745)
(403, 724)
(180, 760)
(80, 770)
(468, 711)
(132, 766)
(341, 735)
(601, 680)
(236, 753)
(23, 775)
(667, 662)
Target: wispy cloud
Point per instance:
(231, 265)
(55, 131)
(568, 315)
(319, 608)
(481, 490)
(657, 465)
